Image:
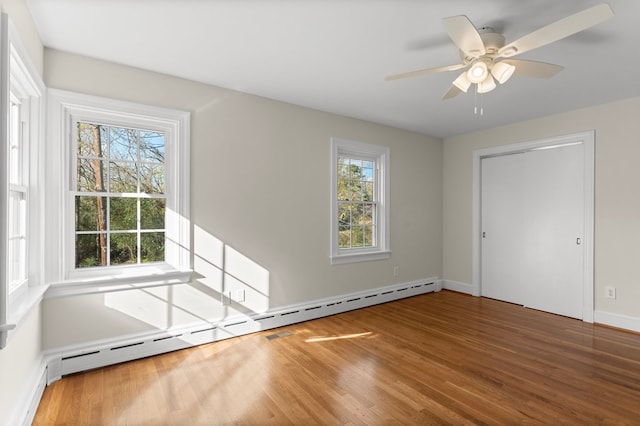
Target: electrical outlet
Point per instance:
(610, 292)
(396, 271)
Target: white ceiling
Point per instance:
(333, 55)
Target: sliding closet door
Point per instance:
(554, 223)
(532, 218)
(502, 223)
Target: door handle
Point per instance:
(484, 235)
(578, 241)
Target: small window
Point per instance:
(360, 190)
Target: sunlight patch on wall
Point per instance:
(226, 283)
(242, 284)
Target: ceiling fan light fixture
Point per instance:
(502, 71)
(462, 82)
(478, 72)
(487, 85)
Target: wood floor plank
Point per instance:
(440, 358)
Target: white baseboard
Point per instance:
(617, 320)
(460, 287)
(29, 397)
(73, 359)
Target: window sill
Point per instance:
(359, 257)
(20, 306)
(108, 283)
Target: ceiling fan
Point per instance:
(487, 59)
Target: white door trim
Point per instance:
(586, 138)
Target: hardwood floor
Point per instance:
(440, 358)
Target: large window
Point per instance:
(360, 190)
(119, 195)
(120, 180)
(18, 191)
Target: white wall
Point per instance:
(617, 187)
(260, 191)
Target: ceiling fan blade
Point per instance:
(533, 68)
(464, 35)
(426, 71)
(451, 93)
(558, 30)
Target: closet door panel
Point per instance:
(554, 222)
(502, 223)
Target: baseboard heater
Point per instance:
(74, 360)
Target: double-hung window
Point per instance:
(360, 194)
(17, 236)
(20, 98)
(120, 180)
(119, 195)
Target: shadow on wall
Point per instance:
(226, 284)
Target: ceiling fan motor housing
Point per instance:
(492, 43)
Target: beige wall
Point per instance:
(260, 188)
(20, 363)
(28, 34)
(617, 198)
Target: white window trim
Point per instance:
(21, 77)
(382, 249)
(64, 109)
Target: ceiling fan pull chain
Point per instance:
(475, 101)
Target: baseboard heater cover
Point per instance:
(100, 354)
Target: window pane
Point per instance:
(355, 191)
(151, 147)
(343, 168)
(369, 240)
(91, 250)
(123, 144)
(123, 213)
(152, 213)
(17, 214)
(356, 217)
(367, 191)
(357, 238)
(91, 213)
(124, 249)
(344, 237)
(367, 170)
(343, 189)
(15, 143)
(16, 261)
(152, 247)
(123, 177)
(367, 214)
(355, 168)
(119, 160)
(91, 176)
(356, 214)
(344, 214)
(91, 142)
(152, 178)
